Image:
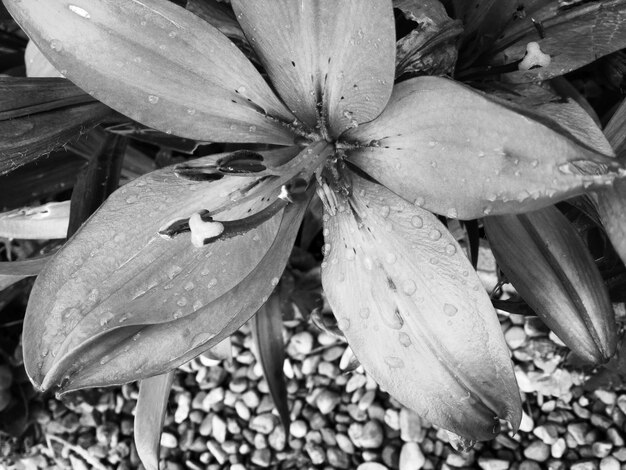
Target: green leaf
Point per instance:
(339, 54)
(158, 64)
(430, 48)
(611, 202)
(44, 222)
(125, 353)
(572, 37)
(550, 266)
(118, 271)
(149, 416)
(267, 332)
(456, 152)
(415, 314)
(220, 16)
(98, 181)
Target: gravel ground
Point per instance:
(221, 416)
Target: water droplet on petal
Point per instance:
(450, 310)
(212, 283)
(384, 211)
(409, 287)
(534, 163)
(404, 339)
(274, 281)
(191, 111)
(343, 324)
(56, 45)
(391, 258)
(153, 99)
(434, 234)
(417, 221)
(181, 302)
(452, 213)
(364, 313)
(394, 362)
(80, 11)
(450, 249)
(189, 286)
(241, 90)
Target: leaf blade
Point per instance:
(149, 416)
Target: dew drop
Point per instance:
(369, 264)
(384, 211)
(80, 11)
(104, 360)
(404, 339)
(274, 281)
(153, 99)
(450, 310)
(189, 286)
(417, 221)
(391, 258)
(432, 144)
(364, 313)
(394, 362)
(56, 45)
(197, 305)
(212, 283)
(409, 287)
(252, 128)
(534, 163)
(343, 324)
(434, 234)
(481, 154)
(420, 201)
(174, 271)
(172, 34)
(177, 314)
(191, 111)
(452, 213)
(450, 249)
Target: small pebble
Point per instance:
(411, 457)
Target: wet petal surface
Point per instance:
(339, 54)
(415, 314)
(457, 153)
(117, 271)
(159, 64)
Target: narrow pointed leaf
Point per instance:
(126, 353)
(118, 271)
(26, 267)
(338, 54)
(611, 202)
(220, 16)
(29, 138)
(149, 416)
(456, 152)
(267, 332)
(36, 223)
(98, 181)
(158, 64)
(551, 268)
(415, 314)
(23, 96)
(572, 37)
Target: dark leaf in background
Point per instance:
(572, 38)
(267, 333)
(40, 179)
(98, 181)
(551, 268)
(611, 201)
(28, 138)
(149, 416)
(473, 239)
(430, 48)
(220, 16)
(23, 96)
(152, 136)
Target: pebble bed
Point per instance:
(221, 416)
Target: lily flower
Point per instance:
(179, 259)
